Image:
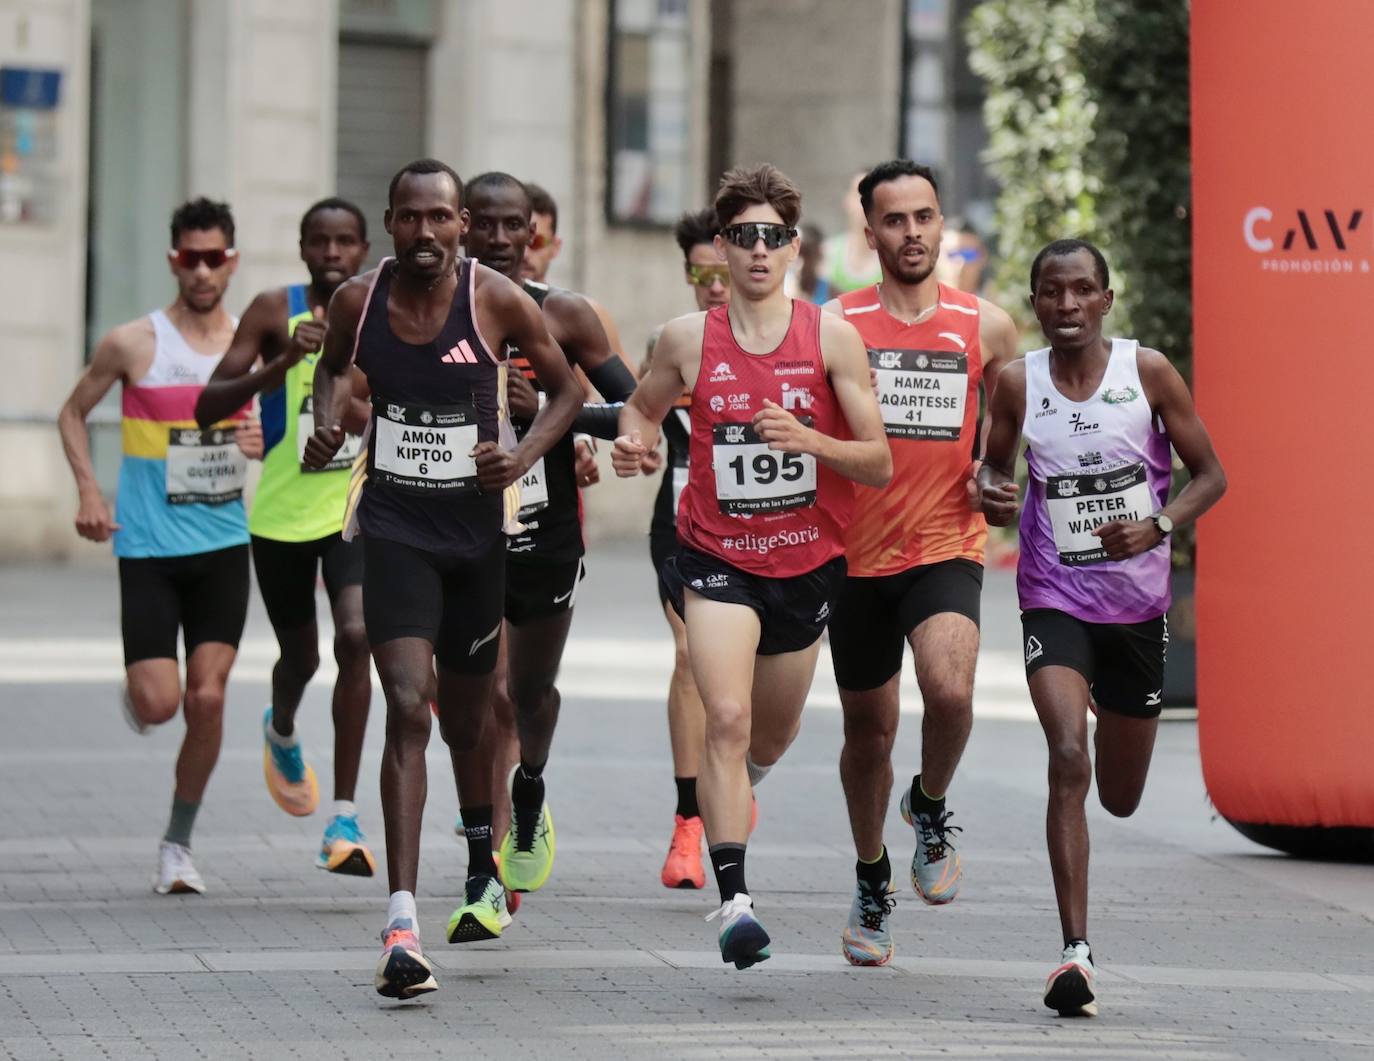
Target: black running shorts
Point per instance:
(792, 611)
(452, 602)
(204, 594)
(286, 575)
(1122, 662)
(875, 616)
(663, 546)
(537, 591)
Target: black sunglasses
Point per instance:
(747, 234)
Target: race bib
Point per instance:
(534, 490)
(921, 392)
(1079, 504)
(424, 449)
(305, 427)
(681, 472)
(204, 467)
(750, 477)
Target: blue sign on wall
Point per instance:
(26, 87)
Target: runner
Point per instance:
(709, 278)
(1098, 416)
(915, 547)
(544, 560)
(424, 328)
(178, 527)
(296, 524)
(761, 521)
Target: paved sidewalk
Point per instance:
(1209, 947)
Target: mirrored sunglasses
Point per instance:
(746, 235)
(706, 275)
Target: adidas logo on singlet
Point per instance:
(460, 355)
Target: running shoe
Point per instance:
(1069, 990)
(512, 898)
(742, 939)
(344, 848)
(935, 866)
(528, 848)
(866, 940)
(483, 913)
(402, 971)
(126, 704)
(176, 873)
(290, 780)
(682, 868)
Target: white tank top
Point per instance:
(174, 362)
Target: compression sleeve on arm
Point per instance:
(599, 418)
(612, 380)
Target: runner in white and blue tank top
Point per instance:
(1099, 416)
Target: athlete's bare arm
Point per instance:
(1171, 403)
(998, 339)
(577, 328)
(997, 488)
(260, 336)
(866, 457)
(333, 387)
(505, 314)
(123, 355)
(676, 360)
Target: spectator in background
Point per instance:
(963, 256)
(848, 262)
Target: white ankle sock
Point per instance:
(402, 907)
(277, 739)
(345, 808)
(756, 772)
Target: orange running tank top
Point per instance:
(928, 376)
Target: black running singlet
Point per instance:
(550, 507)
(431, 404)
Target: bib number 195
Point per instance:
(750, 477)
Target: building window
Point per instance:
(647, 107)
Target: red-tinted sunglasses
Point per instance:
(186, 258)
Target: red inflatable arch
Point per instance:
(1283, 179)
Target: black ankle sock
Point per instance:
(527, 792)
(687, 797)
(728, 862)
(876, 873)
(921, 802)
(477, 828)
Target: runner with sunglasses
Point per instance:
(1099, 416)
(709, 278)
(428, 329)
(783, 418)
(915, 547)
(178, 527)
(544, 558)
(297, 523)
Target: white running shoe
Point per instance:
(1069, 990)
(176, 872)
(742, 939)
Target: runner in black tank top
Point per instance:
(427, 329)
(544, 560)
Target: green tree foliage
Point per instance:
(1087, 115)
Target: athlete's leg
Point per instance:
(686, 716)
(154, 690)
(150, 619)
(536, 651)
(405, 666)
(1061, 696)
(870, 731)
(945, 647)
(1124, 746)
(352, 689)
(464, 714)
(781, 682)
(502, 738)
(207, 672)
(722, 640)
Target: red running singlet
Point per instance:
(760, 510)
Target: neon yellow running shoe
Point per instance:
(482, 915)
(527, 850)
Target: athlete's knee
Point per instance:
(728, 725)
(1120, 803)
(533, 693)
(948, 703)
(1071, 770)
(204, 702)
(300, 661)
(407, 717)
(872, 732)
(350, 643)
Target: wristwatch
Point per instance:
(1163, 524)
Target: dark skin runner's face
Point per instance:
(1069, 302)
(499, 228)
(426, 221)
(333, 249)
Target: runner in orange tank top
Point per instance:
(915, 546)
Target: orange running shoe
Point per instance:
(682, 868)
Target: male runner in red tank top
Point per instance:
(783, 417)
(915, 546)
